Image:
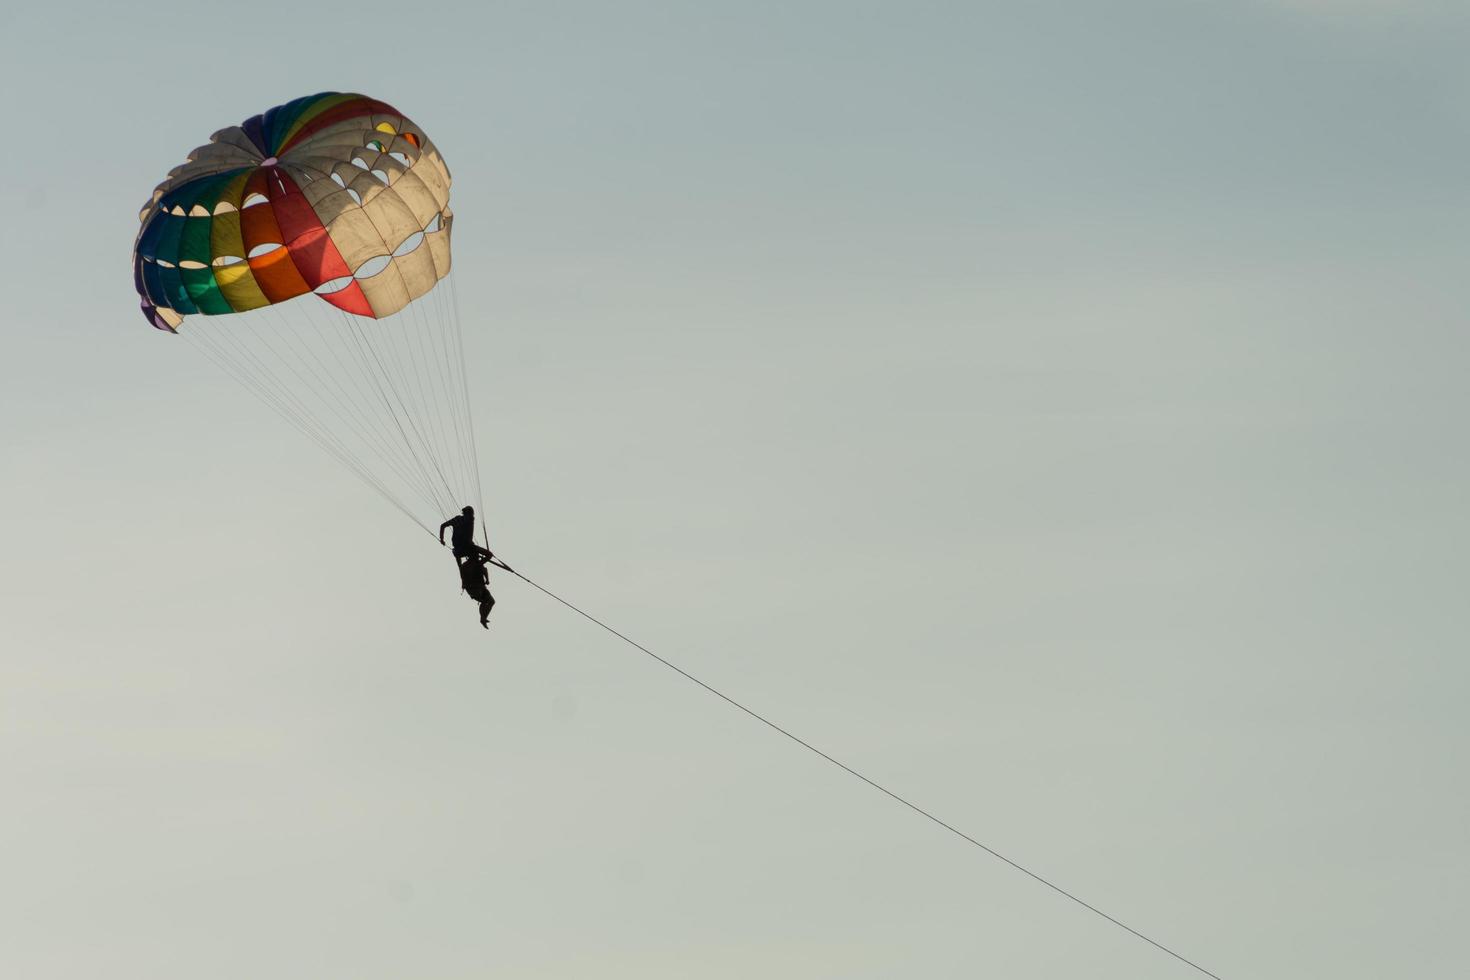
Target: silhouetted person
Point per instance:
(462, 540)
(475, 578)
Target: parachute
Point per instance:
(306, 252)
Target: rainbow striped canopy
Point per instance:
(334, 194)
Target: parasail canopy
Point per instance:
(335, 194)
(341, 196)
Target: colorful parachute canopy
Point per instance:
(336, 194)
(342, 196)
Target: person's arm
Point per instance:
(442, 527)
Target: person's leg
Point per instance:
(486, 605)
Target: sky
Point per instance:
(1053, 410)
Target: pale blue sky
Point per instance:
(1054, 409)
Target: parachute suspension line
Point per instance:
(450, 386)
(436, 330)
(379, 406)
(275, 382)
(346, 330)
(853, 772)
(250, 377)
(363, 338)
(398, 351)
(238, 373)
(382, 384)
(320, 389)
(370, 427)
(393, 410)
(465, 388)
(435, 392)
(438, 319)
(282, 399)
(290, 327)
(386, 338)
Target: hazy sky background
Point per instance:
(1056, 410)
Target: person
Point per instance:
(462, 541)
(475, 578)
